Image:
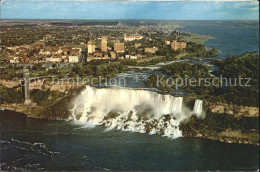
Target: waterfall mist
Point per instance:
(132, 110)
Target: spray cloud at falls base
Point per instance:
(133, 110)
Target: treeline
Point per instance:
(200, 50)
(222, 89)
(152, 61)
(166, 51)
(185, 69)
(95, 71)
(178, 73)
(41, 97)
(244, 66)
(11, 72)
(10, 95)
(45, 97)
(9, 75)
(216, 122)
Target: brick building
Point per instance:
(151, 50)
(175, 45)
(104, 44)
(119, 47)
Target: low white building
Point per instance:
(14, 60)
(42, 52)
(133, 57)
(73, 59)
(132, 37)
(130, 57)
(53, 60)
(60, 51)
(168, 42)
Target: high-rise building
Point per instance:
(119, 47)
(178, 45)
(104, 44)
(91, 47)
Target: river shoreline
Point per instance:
(198, 130)
(190, 128)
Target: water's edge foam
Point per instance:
(140, 111)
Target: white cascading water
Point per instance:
(197, 108)
(130, 110)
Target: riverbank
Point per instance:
(215, 126)
(197, 38)
(194, 128)
(190, 129)
(228, 123)
(223, 122)
(58, 110)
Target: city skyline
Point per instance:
(146, 10)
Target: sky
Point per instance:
(156, 10)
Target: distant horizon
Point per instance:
(134, 19)
(127, 10)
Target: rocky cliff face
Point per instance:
(230, 109)
(228, 136)
(56, 86)
(45, 85)
(56, 111)
(8, 83)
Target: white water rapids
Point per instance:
(132, 110)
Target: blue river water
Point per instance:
(34, 144)
(232, 38)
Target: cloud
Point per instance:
(82, 9)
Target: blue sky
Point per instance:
(163, 10)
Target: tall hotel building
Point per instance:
(91, 47)
(104, 44)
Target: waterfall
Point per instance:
(177, 104)
(130, 110)
(197, 108)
